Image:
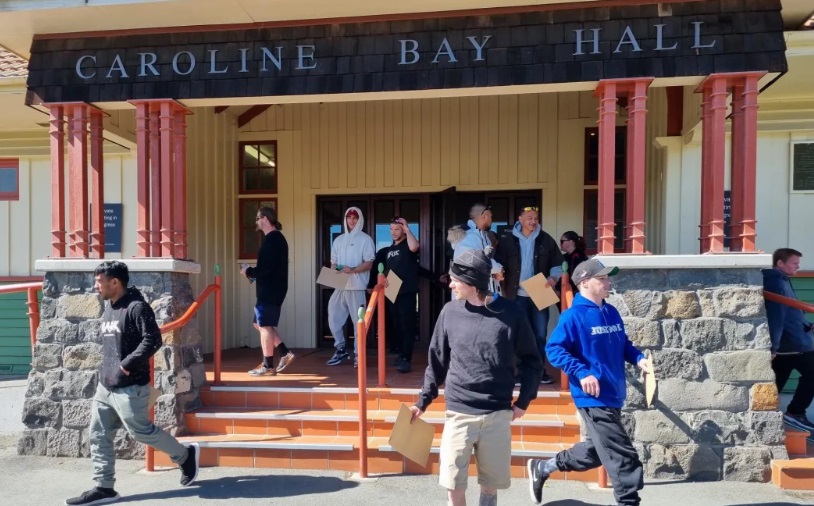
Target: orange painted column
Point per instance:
(606, 92)
(167, 178)
(180, 186)
(717, 164)
(143, 178)
(636, 156)
(736, 174)
(155, 180)
(57, 124)
(706, 128)
(745, 171)
(78, 180)
(97, 200)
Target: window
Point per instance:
(591, 220)
(258, 167)
(592, 156)
(250, 238)
(9, 179)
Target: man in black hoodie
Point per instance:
(130, 336)
(474, 351)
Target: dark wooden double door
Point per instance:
(429, 216)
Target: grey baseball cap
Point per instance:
(591, 269)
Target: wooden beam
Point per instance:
(250, 114)
(219, 109)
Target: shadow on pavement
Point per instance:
(250, 487)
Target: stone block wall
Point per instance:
(68, 353)
(716, 413)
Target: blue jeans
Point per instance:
(538, 320)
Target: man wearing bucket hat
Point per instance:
(591, 346)
(474, 350)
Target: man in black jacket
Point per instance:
(130, 336)
(474, 351)
(525, 252)
(271, 276)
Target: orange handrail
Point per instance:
(33, 306)
(192, 310)
(362, 327)
(793, 303)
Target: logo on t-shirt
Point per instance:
(109, 327)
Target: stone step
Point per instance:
(302, 422)
(547, 402)
(340, 453)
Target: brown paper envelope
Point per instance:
(154, 393)
(393, 286)
(332, 278)
(650, 383)
(542, 295)
(413, 440)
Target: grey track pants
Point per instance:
(124, 407)
(344, 303)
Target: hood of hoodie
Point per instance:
(517, 231)
(132, 294)
(360, 225)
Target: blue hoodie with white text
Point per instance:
(591, 340)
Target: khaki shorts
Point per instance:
(490, 436)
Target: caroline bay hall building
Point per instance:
(677, 137)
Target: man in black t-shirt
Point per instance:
(401, 257)
(271, 276)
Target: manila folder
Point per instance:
(413, 440)
(542, 294)
(333, 278)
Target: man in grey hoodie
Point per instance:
(352, 253)
(792, 338)
(524, 253)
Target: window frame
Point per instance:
(241, 168)
(620, 157)
(11, 163)
(241, 253)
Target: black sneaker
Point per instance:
(536, 480)
(545, 379)
(405, 366)
(189, 469)
(339, 355)
(95, 495)
(799, 422)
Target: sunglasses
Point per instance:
(487, 208)
(531, 208)
(565, 240)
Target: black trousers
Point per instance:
(803, 363)
(404, 318)
(609, 445)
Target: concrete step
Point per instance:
(548, 402)
(794, 474)
(341, 453)
(311, 422)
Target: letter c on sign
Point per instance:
(79, 66)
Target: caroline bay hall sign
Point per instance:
(686, 39)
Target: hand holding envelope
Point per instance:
(540, 292)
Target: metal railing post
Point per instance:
(218, 329)
(362, 375)
(381, 327)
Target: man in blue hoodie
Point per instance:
(591, 346)
(792, 338)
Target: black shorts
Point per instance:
(267, 315)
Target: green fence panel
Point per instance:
(15, 337)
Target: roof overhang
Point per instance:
(22, 20)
